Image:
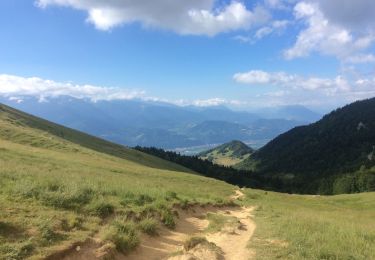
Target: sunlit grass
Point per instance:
(54, 192)
(313, 227)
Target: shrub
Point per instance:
(193, 242)
(123, 235)
(102, 209)
(142, 199)
(184, 204)
(78, 223)
(59, 197)
(138, 200)
(48, 235)
(167, 218)
(171, 195)
(148, 226)
(17, 252)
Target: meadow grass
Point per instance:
(226, 159)
(54, 192)
(313, 227)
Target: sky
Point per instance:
(243, 54)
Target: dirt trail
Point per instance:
(234, 243)
(237, 195)
(191, 222)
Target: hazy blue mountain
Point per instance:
(295, 112)
(136, 122)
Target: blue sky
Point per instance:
(242, 54)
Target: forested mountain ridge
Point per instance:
(316, 155)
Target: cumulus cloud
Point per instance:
(279, 4)
(273, 27)
(294, 81)
(360, 58)
(196, 17)
(326, 37)
(337, 90)
(15, 86)
(358, 15)
(276, 26)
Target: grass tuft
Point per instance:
(101, 209)
(123, 235)
(148, 226)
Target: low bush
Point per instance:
(101, 209)
(167, 218)
(17, 252)
(148, 226)
(193, 242)
(123, 235)
(49, 235)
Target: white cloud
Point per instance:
(210, 102)
(357, 15)
(196, 17)
(361, 58)
(296, 89)
(274, 27)
(278, 4)
(324, 37)
(282, 79)
(15, 86)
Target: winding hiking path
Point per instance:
(193, 223)
(235, 244)
(232, 243)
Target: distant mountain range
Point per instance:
(228, 154)
(334, 155)
(294, 112)
(143, 123)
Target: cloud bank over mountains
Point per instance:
(309, 90)
(14, 86)
(291, 89)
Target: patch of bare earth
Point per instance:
(230, 244)
(234, 241)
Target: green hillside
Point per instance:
(333, 155)
(55, 191)
(228, 154)
(298, 227)
(57, 134)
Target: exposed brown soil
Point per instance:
(168, 244)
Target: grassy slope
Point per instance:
(225, 159)
(228, 154)
(54, 192)
(16, 117)
(313, 227)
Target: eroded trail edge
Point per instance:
(229, 241)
